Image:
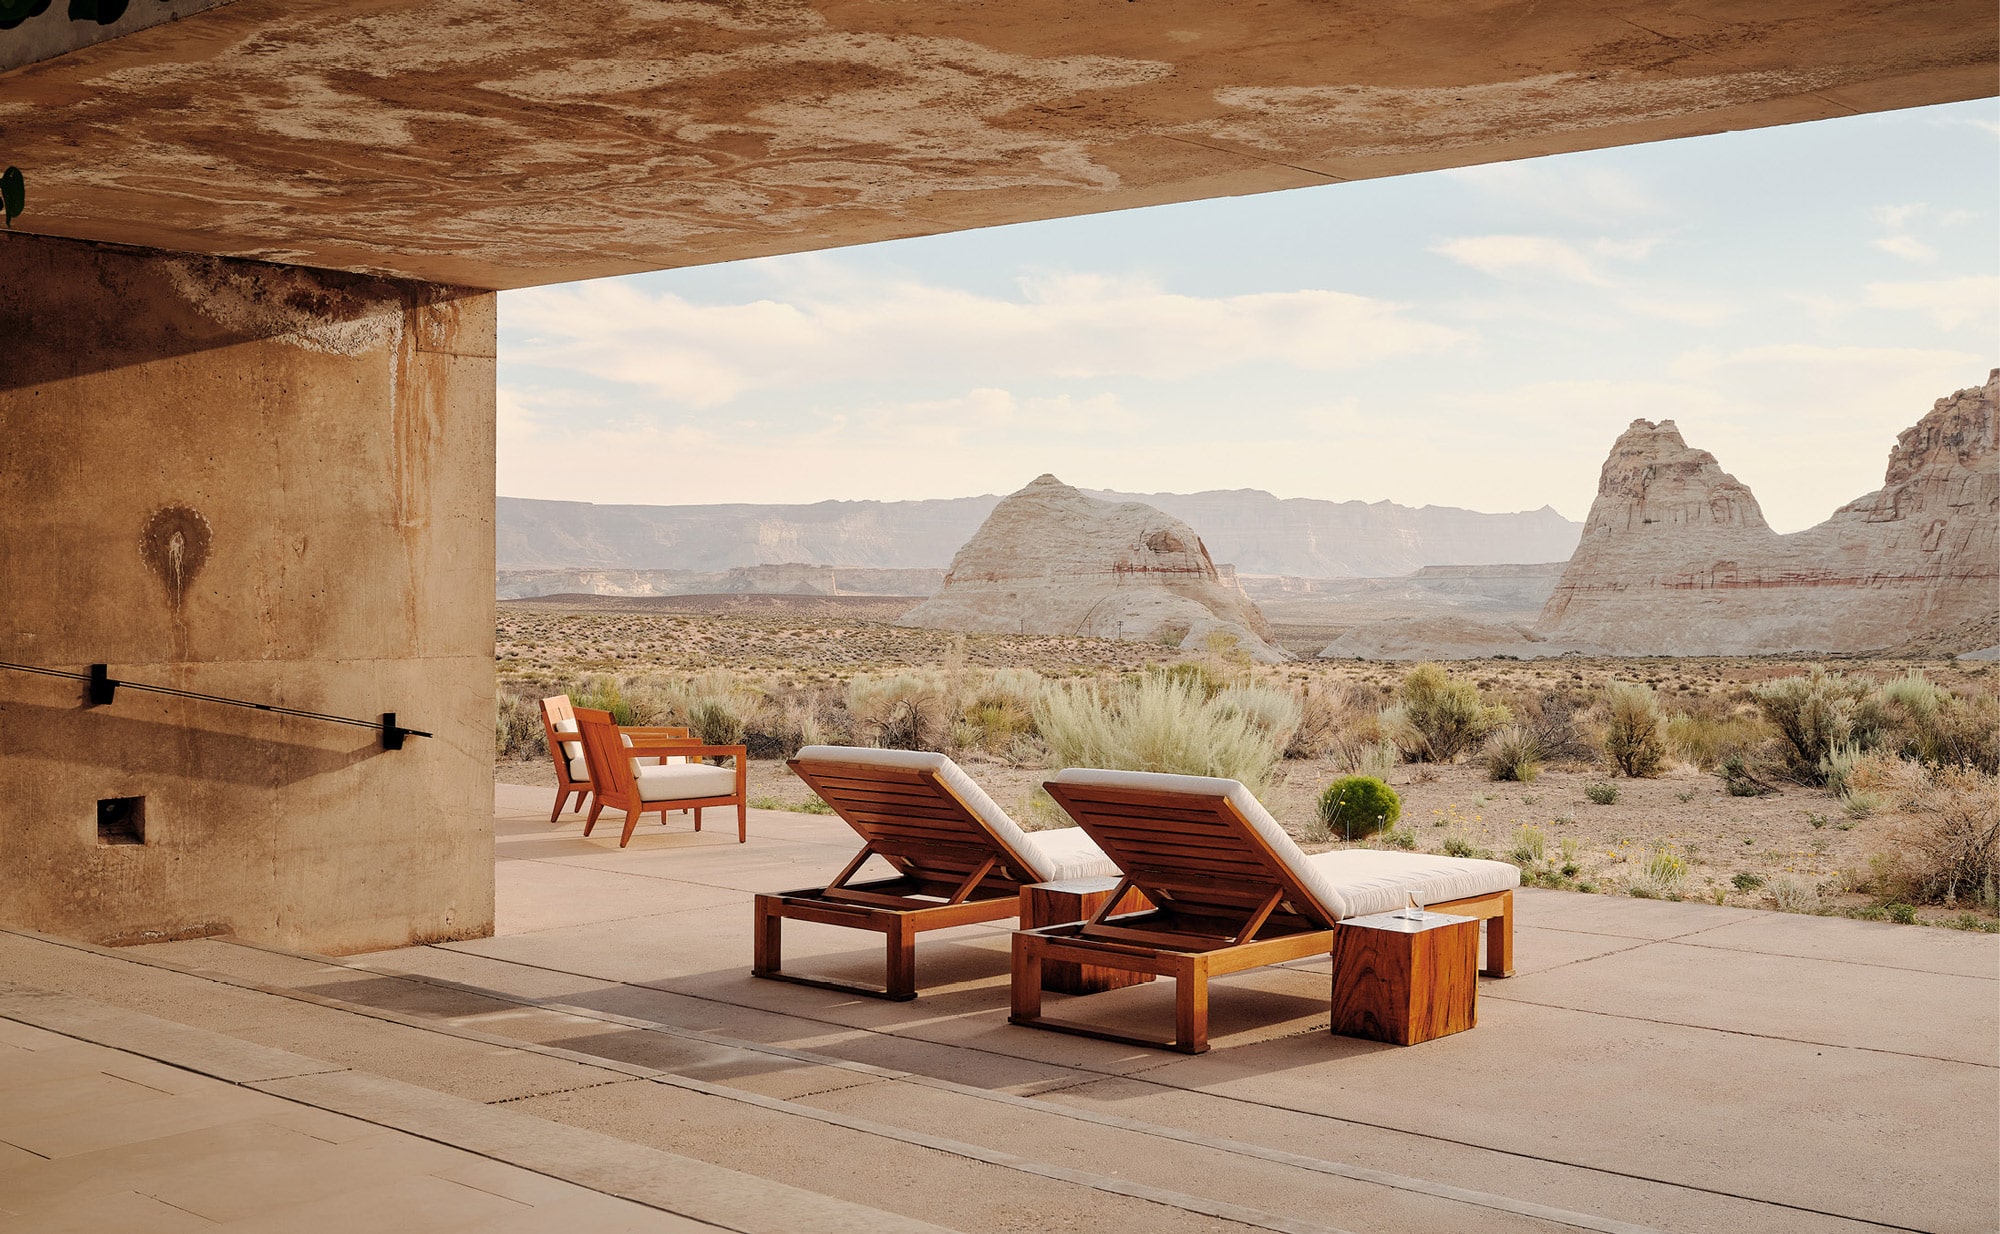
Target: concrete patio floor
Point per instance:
(606, 1062)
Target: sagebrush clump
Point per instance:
(1635, 737)
(1513, 752)
(1157, 723)
(1438, 716)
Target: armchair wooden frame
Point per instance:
(950, 869)
(1224, 901)
(554, 711)
(615, 782)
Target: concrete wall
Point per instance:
(264, 482)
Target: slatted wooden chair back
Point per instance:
(1195, 857)
(912, 819)
(603, 752)
(556, 711)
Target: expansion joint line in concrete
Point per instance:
(1426, 1187)
(1584, 1221)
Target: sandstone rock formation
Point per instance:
(1676, 558)
(1051, 560)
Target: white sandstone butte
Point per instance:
(1051, 560)
(1676, 558)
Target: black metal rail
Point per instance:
(103, 687)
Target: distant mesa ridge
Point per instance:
(1255, 531)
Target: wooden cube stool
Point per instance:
(1404, 981)
(1077, 899)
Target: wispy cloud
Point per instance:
(1521, 257)
(1060, 326)
(1950, 303)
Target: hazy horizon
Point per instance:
(1791, 297)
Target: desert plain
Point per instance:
(785, 664)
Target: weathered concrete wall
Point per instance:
(262, 482)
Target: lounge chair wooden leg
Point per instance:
(1500, 940)
(767, 943)
(697, 818)
(902, 974)
(1027, 998)
(596, 808)
(742, 822)
(631, 821)
(562, 799)
(1191, 1006)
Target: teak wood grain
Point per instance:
(1405, 988)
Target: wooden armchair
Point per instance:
(566, 748)
(625, 776)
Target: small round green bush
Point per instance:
(1903, 914)
(1356, 807)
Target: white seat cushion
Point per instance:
(682, 781)
(649, 760)
(1351, 883)
(573, 751)
(1065, 853)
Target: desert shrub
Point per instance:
(1635, 736)
(1438, 716)
(1930, 724)
(1513, 752)
(1948, 846)
(603, 692)
(1704, 740)
(1325, 712)
(1365, 758)
(1794, 895)
(517, 727)
(903, 711)
(1663, 877)
(1862, 804)
(1530, 847)
(1400, 837)
(1356, 807)
(1816, 714)
(1739, 781)
(1274, 711)
(1155, 723)
(1553, 719)
(1197, 674)
(1744, 880)
(715, 723)
(1459, 846)
(1603, 793)
(1838, 767)
(1902, 914)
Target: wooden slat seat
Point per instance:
(1230, 891)
(956, 857)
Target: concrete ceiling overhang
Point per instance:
(498, 144)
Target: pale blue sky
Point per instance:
(1791, 297)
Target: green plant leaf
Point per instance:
(14, 12)
(13, 194)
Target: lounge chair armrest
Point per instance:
(684, 750)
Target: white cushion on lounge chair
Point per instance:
(573, 750)
(681, 781)
(1064, 853)
(1344, 886)
(1372, 880)
(649, 760)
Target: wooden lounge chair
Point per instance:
(624, 775)
(955, 859)
(1231, 891)
(572, 772)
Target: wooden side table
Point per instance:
(1076, 899)
(1405, 981)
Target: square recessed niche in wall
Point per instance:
(121, 820)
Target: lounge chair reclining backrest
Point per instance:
(956, 857)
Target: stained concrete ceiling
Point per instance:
(499, 144)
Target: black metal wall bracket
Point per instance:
(101, 688)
